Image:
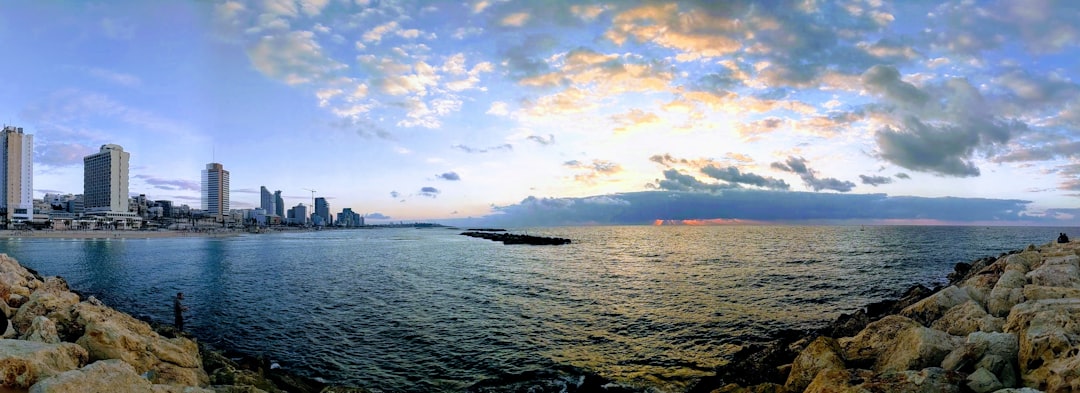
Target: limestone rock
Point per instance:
(178, 389)
(917, 348)
(42, 329)
(731, 388)
(928, 380)
(52, 300)
(823, 353)
(22, 363)
(106, 376)
(1039, 292)
(1057, 272)
(983, 381)
(968, 318)
(1007, 293)
(1047, 330)
(238, 389)
(1022, 262)
(866, 347)
(839, 381)
(110, 334)
(930, 309)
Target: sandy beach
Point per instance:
(50, 234)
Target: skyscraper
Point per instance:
(322, 211)
(215, 191)
(279, 204)
(105, 180)
(267, 202)
(17, 174)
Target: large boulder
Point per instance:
(53, 300)
(866, 348)
(929, 380)
(106, 376)
(15, 280)
(1007, 293)
(23, 363)
(822, 354)
(968, 318)
(1047, 330)
(110, 334)
(42, 329)
(930, 309)
(1057, 272)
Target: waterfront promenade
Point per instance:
(107, 234)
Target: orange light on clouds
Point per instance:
(707, 221)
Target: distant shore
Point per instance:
(102, 234)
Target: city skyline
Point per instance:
(862, 110)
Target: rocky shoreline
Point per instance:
(1006, 324)
(56, 341)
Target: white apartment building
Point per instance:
(215, 191)
(105, 181)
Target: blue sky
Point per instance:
(441, 110)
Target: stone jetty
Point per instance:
(54, 341)
(1006, 324)
(510, 238)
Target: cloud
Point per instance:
(394, 194)
(875, 180)
(886, 80)
(515, 20)
(677, 181)
(294, 58)
(592, 171)
(549, 140)
(473, 150)
(498, 108)
(430, 192)
(633, 120)
(60, 154)
(798, 166)
(732, 175)
(452, 176)
(755, 129)
(171, 184)
(904, 176)
(377, 216)
(761, 205)
(118, 78)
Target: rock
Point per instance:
(110, 334)
(1057, 272)
(917, 348)
(106, 376)
(928, 380)
(1007, 293)
(52, 300)
(983, 381)
(238, 389)
(1022, 262)
(1047, 330)
(731, 388)
(967, 318)
(1018, 390)
(9, 330)
(178, 389)
(42, 329)
(1039, 292)
(930, 309)
(823, 353)
(866, 348)
(839, 381)
(23, 363)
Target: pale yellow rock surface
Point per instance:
(967, 318)
(23, 363)
(106, 376)
(928, 310)
(822, 354)
(42, 329)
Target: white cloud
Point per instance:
(376, 34)
(515, 20)
(294, 58)
(498, 108)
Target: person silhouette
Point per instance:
(178, 311)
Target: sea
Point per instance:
(650, 308)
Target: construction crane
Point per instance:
(312, 199)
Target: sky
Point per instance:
(566, 112)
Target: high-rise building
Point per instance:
(347, 218)
(322, 212)
(105, 180)
(215, 191)
(279, 204)
(17, 174)
(267, 202)
(298, 214)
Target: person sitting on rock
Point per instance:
(178, 311)
(1062, 238)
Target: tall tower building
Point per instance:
(17, 174)
(105, 180)
(279, 204)
(215, 191)
(322, 211)
(267, 202)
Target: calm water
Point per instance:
(429, 310)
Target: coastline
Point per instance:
(1005, 325)
(100, 234)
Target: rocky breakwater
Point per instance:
(1010, 324)
(55, 341)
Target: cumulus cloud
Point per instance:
(452, 176)
(798, 166)
(635, 119)
(474, 150)
(589, 172)
(734, 176)
(294, 58)
(430, 192)
(875, 180)
(394, 194)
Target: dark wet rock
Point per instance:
(510, 238)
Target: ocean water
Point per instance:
(417, 310)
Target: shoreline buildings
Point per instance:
(17, 175)
(215, 191)
(105, 183)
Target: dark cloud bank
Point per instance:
(768, 206)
